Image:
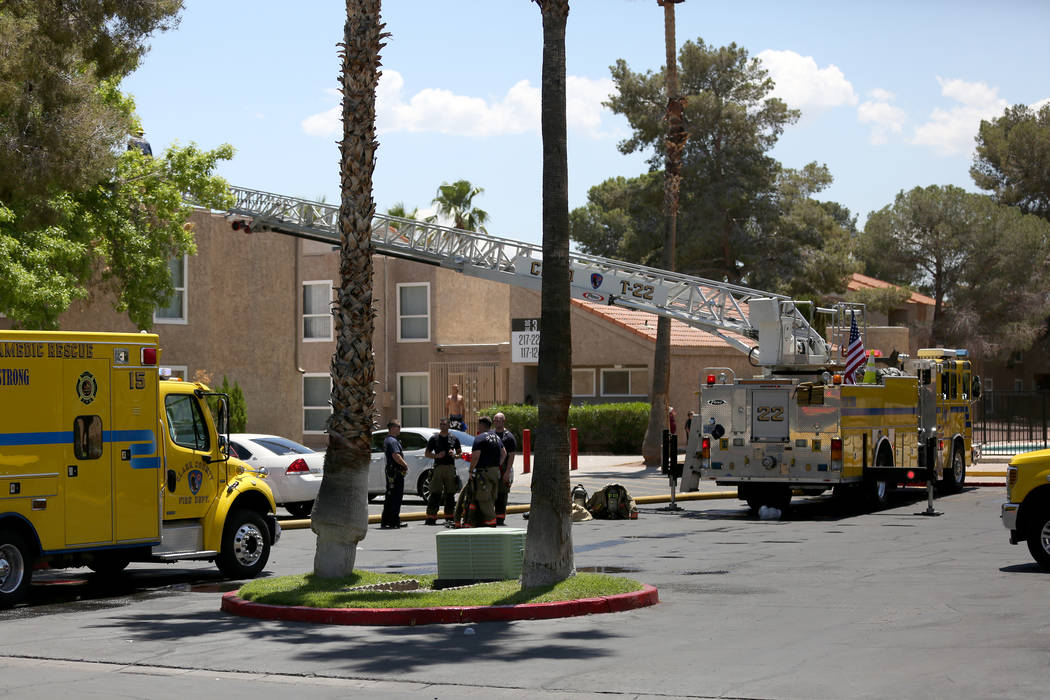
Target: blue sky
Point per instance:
(891, 92)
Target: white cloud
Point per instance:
(951, 131)
(442, 111)
(883, 118)
(802, 85)
(1040, 104)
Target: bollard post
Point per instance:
(526, 436)
(573, 450)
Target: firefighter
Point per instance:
(486, 455)
(506, 467)
(443, 448)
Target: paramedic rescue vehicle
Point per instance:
(795, 427)
(102, 463)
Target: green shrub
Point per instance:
(618, 428)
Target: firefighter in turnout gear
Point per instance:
(506, 467)
(486, 456)
(443, 448)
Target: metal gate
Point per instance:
(481, 383)
(1008, 422)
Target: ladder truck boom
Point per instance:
(739, 315)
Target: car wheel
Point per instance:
(423, 485)
(16, 569)
(245, 545)
(300, 509)
(1039, 538)
(952, 480)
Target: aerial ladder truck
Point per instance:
(799, 424)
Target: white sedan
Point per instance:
(294, 471)
(414, 443)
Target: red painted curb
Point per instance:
(234, 605)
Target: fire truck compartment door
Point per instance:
(769, 415)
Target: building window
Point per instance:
(413, 399)
(987, 384)
(1018, 385)
(317, 310)
(175, 310)
(583, 382)
(413, 312)
(317, 396)
(632, 381)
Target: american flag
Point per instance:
(854, 351)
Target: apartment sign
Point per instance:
(525, 340)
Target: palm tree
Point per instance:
(676, 135)
(456, 203)
(400, 212)
(340, 515)
(548, 548)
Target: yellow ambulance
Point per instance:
(103, 463)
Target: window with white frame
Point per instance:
(1018, 385)
(413, 312)
(317, 394)
(987, 384)
(583, 382)
(626, 381)
(413, 398)
(175, 310)
(317, 310)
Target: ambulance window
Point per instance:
(944, 384)
(966, 383)
(87, 437)
(186, 422)
(954, 376)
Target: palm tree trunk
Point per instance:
(548, 548)
(340, 515)
(676, 135)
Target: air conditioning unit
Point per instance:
(480, 554)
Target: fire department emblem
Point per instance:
(87, 387)
(596, 280)
(195, 478)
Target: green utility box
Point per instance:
(480, 554)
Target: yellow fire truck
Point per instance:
(102, 463)
(803, 426)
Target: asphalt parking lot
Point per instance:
(821, 604)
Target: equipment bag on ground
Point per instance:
(613, 502)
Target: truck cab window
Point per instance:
(186, 422)
(87, 437)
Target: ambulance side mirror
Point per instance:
(976, 387)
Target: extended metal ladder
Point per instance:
(716, 307)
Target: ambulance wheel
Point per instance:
(953, 479)
(16, 569)
(1039, 538)
(109, 564)
(300, 509)
(245, 545)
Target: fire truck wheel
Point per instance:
(1039, 538)
(954, 478)
(245, 545)
(109, 564)
(16, 569)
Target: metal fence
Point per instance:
(1008, 422)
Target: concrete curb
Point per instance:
(234, 605)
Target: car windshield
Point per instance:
(465, 439)
(282, 446)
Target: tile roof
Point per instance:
(643, 324)
(858, 281)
